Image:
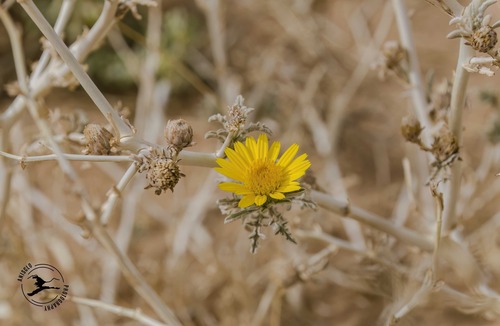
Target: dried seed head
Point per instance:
(162, 172)
(394, 60)
(483, 39)
(237, 115)
(179, 134)
(99, 140)
(394, 54)
(445, 145)
(411, 129)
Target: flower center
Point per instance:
(265, 177)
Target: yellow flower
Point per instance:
(257, 172)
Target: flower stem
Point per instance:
(109, 205)
(417, 89)
(135, 314)
(456, 108)
(345, 209)
(220, 152)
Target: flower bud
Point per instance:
(162, 171)
(445, 145)
(411, 129)
(164, 174)
(484, 39)
(179, 134)
(98, 139)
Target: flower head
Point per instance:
(259, 174)
(179, 134)
(237, 115)
(475, 26)
(99, 140)
(162, 169)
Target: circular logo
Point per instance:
(43, 285)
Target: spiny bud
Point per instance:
(179, 134)
(394, 54)
(445, 145)
(162, 172)
(484, 39)
(99, 140)
(394, 59)
(411, 129)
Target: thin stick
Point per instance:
(342, 244)
(132, 275)
(107, 19)
(110, 204)
(17, 51)
(128, 57)
(135, 314)
(129, 270)
(344, 209)
(265, 303)
(5, 184)
(19, 60)
(190, 223)
(145, 102)
(337, 206)
(213, 13)
(81, 48)
(340, 101)
(458, 93)
(95, 94)
(186, 158)
(417, 88)
(419, 297)
(438, 197)
(421, 161)
(61, 22)
(5, 171)
(69, 157)
(111, 279)
(227, 141)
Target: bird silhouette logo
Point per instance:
(43, 285)
(40, 284)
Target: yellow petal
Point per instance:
(277, 195)
(262, 146)
(228, 165)
(237, 159)
(243, 151)
(260, 200)
(287, 157)
(274, 151)
(246, 201)
(298, 160)
(237, 188)
(297, 175)
(298, 167)
(252, 147)
(229, 170)
(292, 186)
